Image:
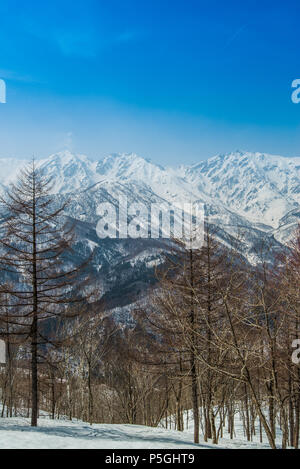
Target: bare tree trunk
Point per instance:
(34, 375)
(193, 357)
(34, 331)
(247, 420)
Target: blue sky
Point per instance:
(175, 81)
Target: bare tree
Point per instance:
(34, 241)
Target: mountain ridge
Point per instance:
(248, 197)
(261, 187)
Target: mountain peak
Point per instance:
(127, 165)
(66, 157)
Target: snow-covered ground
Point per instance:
(16, 433)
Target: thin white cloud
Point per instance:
(78, 40)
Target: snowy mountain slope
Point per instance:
(261, 187)
(9, 168)
(250, 189)
(247, 196)
(286, 226)
(254, 191)
(70, 172)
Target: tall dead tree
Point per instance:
(34, 243)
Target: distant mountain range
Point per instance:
(250, 196)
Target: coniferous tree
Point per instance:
(34, 242)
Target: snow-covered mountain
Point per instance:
(260, 188)
(247, 195)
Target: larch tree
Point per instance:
(35, 238)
